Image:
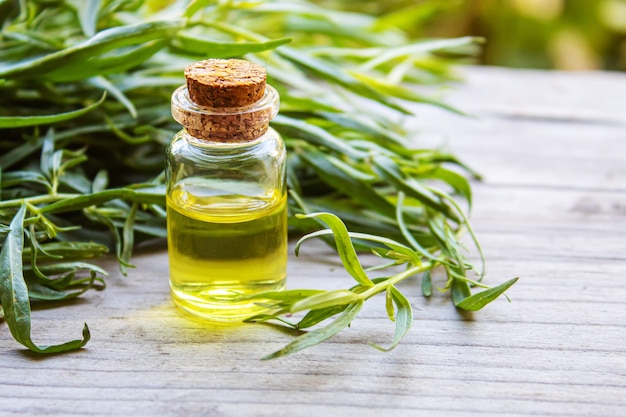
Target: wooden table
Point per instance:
(552, 209)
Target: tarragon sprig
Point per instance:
(344, 305)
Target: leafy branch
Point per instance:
(346, 303)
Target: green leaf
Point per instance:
(145, 196)
(109, 64)
(477, 301)
(13, 178)
(460, 291)
(386, 88)
(313, 134)
(106, 40)
(325, 300)
(391, 244)
(100, 181)
(109, 87)
(65, 267)
(338, 179)
(407, 233)
(404, 318)
(319, 335)
(208, 48)
(196, 5)
(47, 154)
(336, 75)
(390, 171)
(364, 124)
(94, 215)
(14, 292)
(391, 313)
(457, 181)
(427, 284)
(69, 251)
(22, 121)
(314, 317)
(88, 14)
(286, 296)
(418, 48)
(18, 153)
(345, 248)
(414, 15)
(129, 238)
(44, 293)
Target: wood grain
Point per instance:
(552, 209)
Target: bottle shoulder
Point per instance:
(270, 144)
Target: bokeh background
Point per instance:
(545, 34)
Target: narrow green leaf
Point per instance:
(319, 335)
(345, 248)
(477, 301)
(88, 16)
(14, 292)
(209, 48)
(402, 92)
(338, 179)
(108, 86)
(427, 284)
(418, 48)
(391, 313)
(413, 15)
(314, 317)
(13, 178)
(22, 121)
(129, 237)
(44, 293)
(314, 134)
(325, 300)
(47, 151)
(404, 318)
(460, 291)
(196, 5)
(336, 75)
(391, 244)
(94, 215)
(83, 201)
(286, 297)
(152, 195)
(106, 40)
(65, 267)
(390, 171)
(385, 136)
(18, 153)
(100, 181)
(109, 64)
(406, 232)
(70, 251)
(457, 181)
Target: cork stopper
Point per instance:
(225, 83)
(225, 101)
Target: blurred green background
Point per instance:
(559, 34)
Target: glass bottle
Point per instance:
(226, 191)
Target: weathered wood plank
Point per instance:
(552, 209)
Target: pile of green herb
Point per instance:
(84, 119)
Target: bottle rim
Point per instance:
(183, 103)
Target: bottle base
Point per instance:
(222, 305)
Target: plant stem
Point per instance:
(383, 286)
(39, 199)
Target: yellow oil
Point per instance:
(225, 246)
